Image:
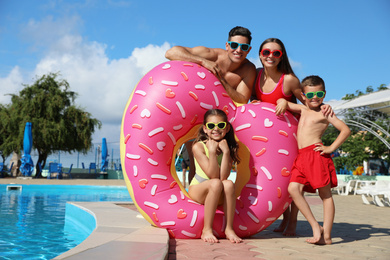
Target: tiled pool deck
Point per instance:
(360, 232)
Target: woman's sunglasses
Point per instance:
(220, 125)
(319, 94)
(275, 53)
(235, 45)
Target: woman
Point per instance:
(274, 81)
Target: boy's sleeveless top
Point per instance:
(275, 94)
(200, 175)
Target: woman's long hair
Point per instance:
(232, 143)
(284, 65)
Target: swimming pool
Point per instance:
(33, 218)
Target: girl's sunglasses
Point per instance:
(235, 45)
(275, 53)
(220, 125)
(319, 94)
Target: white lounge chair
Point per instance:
(377, 194)
(363, 185)
(345, 188)
(381, 193)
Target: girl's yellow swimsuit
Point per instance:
(200, 175)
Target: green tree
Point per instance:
(57, 123)
(362, 144)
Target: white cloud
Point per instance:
(295, 65)
(11, 84)
(256, 61)
(103, 85)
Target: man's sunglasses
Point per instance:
(235, 45)
(220, 125)
(275, 53)
(319, 94)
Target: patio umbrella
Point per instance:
(27, 165)
(104, 164)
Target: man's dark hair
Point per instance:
(238, 30)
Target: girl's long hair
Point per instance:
(232, 143)
(284, 65)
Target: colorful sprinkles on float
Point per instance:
(164, 111)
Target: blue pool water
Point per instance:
(32, 221)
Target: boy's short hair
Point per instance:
(242, 31)
(313, 81)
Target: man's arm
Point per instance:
(207, 58)
(201, 55)
(242, 93)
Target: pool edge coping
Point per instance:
(122, 229)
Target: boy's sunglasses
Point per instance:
(319, 94)
(220, 125)
(235, 45)
(275, 53)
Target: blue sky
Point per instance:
(103, 48)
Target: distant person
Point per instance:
(276, 79)
(215, 150)
(185, 163)
(230, 65)
(313, 168)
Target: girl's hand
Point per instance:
(212, 146)
(223, 145)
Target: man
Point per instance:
(229, 65)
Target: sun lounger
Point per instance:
(362, 184)
(377, 193)
(345, 188)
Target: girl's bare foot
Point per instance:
(232, 236)
(209, 237)
(317, 234)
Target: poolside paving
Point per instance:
(360, 232)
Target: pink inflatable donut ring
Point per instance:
(165, 110)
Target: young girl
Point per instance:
(215, 149)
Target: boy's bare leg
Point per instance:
(283, 224)
(229, 205)
(295, 189)
(329, 212)
(291, 228)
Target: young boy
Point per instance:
(313, 168)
